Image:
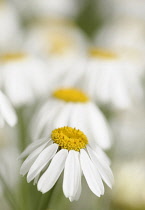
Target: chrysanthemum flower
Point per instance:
(111, 79)
(127, 36)
(122, 33)
(73, 108)
(9, 26)
(62, 44)
(24, 77)
(55, 37)
(7, 113)
(68, 149)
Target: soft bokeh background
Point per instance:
(128, 150)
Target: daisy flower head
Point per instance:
(7, 113)
(55, 38)
(9, 26)
(122, 33)
(68, 149)
(24, 77)
(72, 107)
(63, 45)
(110, 78)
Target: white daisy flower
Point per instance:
(55, 37)
(68, 149)
(122, 33)
(24, 77)
(110, 78)
(7, 113)
(62, 44)
(9, 27)
(72, 107)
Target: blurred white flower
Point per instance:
(126, 35)
(62, 44)
(7, 113)
(55, 37)
(129, 189)
(122, 33)
(129, 132)
(24, 77)
(110, 79)
(72, 107)
(70, 150)
(48, 8)
(59, 9)
(9, 167)
(9, 27)
(128, 8)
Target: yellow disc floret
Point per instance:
(60, 43)
(69, 138)
(102, 53)
(70, 95)
(10, 57)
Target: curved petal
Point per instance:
(49, 178)
(99, 127)
(101, 154)
(103, 169)
(71, 174)
(63, 117)
(30, 159)
(7, 110)
(91, 174)
(32, 147)
(41, 161)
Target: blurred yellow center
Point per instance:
(69, 138)
(102, 54)
(71, 95)
(60, 43)
(12, 57)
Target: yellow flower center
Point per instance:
(69, 138)
(9, 57)
(70, 95)
(102, 54)
(60, 43)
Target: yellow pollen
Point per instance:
(69, 138)
(102, 54)
(70, 95)
(12, 57)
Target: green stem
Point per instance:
(46, 200)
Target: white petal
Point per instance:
(71, 174)
(63, 117)
(103, 169)
(101, 155)
(7, 110)
(49, 178)
(99, 127)
(33, 146)
(78, 193)
(44, 117)
(41, 161)
(91, 175)
(30, 159)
